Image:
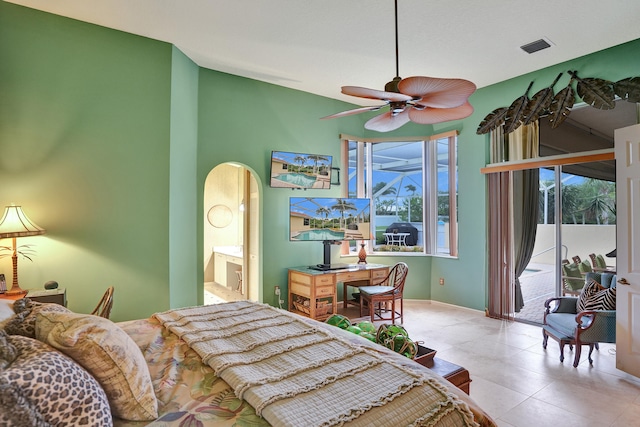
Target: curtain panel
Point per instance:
(513, 218)
(501, 273)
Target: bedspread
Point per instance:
(190, 393)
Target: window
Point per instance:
(412, 184)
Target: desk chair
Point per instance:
(378, 298)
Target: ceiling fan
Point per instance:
(423, 100)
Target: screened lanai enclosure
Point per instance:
(412, 185)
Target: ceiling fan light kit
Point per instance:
(422, 100)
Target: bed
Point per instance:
(232, 364)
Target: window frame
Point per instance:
(429, 185)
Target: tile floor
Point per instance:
(215, 293)
(537, 284)
(513, 378)
(519, 383)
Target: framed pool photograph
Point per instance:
(301, 171)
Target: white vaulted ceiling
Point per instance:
(317, 46)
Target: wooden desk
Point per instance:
(375, 275)
(313, 293)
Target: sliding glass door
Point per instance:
(569, 231)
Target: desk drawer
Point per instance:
(325, 279)
(351, 276)
(294, 276)
(379, 275)
(300, 289)
(325, 291)
(308, 279)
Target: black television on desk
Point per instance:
(329, 220)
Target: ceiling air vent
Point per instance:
(536, 46)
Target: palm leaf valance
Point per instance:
(596, 92)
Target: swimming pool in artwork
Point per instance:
(296, 179)
(319, 235)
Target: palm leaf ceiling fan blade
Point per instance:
(387, 122)
(430, 116)
(437, 93)
(423, 100)
(364, 92)
(354, 111)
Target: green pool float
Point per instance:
(339, 320)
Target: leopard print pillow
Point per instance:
(24, 322)
(44, 387)
(8, 351)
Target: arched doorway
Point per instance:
(231, 234)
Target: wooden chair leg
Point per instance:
(393, 311)
(591, 346)
(344, 297)
(576, 360)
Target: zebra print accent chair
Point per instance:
(565, 323)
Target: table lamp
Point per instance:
(15, 223)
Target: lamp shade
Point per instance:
(15, 223)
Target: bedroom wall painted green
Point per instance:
(183, 191)
(106, 139)
(251, 120)
(110, 118)
(84, 137)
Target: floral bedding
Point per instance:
(190, 394)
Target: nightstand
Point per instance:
(58, 296)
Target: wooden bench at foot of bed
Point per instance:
(456, 375)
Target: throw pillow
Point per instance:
(8, 351)
(6, 311)
(596, 297)
(109, 354)
(590, 289)
(43, 387)
(24, 320)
